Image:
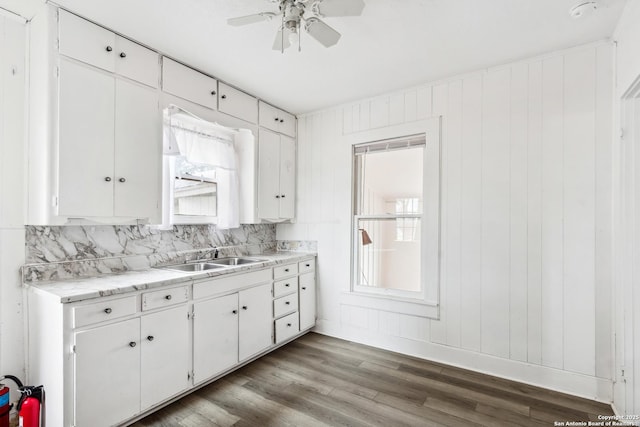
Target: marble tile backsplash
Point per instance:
(57, 253)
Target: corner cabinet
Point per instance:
(110, 360)
(95, 141)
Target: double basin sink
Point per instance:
(212, 264)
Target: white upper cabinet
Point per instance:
(276, 176)
(277, 120)
(97, 46)
(237, 103)
(189, 84)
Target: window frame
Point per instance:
(426, 302)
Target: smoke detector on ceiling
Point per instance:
(582, 9)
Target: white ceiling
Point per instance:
(394, 44)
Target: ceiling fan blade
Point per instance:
(277, 43)
(250, 19)
(320, 31)
(331, 8)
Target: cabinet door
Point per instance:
(307, 306)
(287, 177)
(137, 62)
(215, 336)
(269, 117)
(287, 124)
(86, 42)
(255, 329)
(237, 103)
(164, 359)
(189, 84)
(85, 138)
(138, 152)
(268, 175)
(107, 374)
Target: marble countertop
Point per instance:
(74, 290)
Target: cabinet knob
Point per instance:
(277, 119)
(224, 97)
(304, 288)
(235, 311)
(107, 178)
(307, 265)
(123, 55)
(281, 120)
(108, 48)
(244, 307)
(288, 325)
(122, 180)
(287, 285)
(286, 270)
(282, 195)
(287, 303)
(213, 92)
(277, 196)
(107, 310)
(132, 344)
(168, 297)
(150, 337)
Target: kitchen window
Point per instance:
(396, 223)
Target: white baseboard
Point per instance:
(599, 389)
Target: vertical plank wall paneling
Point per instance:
(525, 232)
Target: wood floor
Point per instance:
(322, 381)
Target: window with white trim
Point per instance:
(388, 214)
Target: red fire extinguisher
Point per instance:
(29, 405)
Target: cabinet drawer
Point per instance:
(189, 84)
(86, 42)
(105, 310)
(285, 270)
(164, 298)
(212, 287)
(237, 103)
(286, 304)
(286, 327)
(137, 62)
(306, 266)
(284, 287)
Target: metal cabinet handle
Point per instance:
(277, 196)
(213, 92)
(107, 178)
(123, 55)
(281, 120)
(132, 344)
(122, 180)
(235, 311)
(307, 265)
(150, 337)
(224, 97)
(288, 325)
(282, 195)
(168, 297)
(287, 302)
(287, 285)
(277, 119)
(107, 310)
(244, 307)
(304, 288)
(108, 48)
(286, 270)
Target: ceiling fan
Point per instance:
(299, 14)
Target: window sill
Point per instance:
(411, 307)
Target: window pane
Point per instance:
(390, 182)
(389, 262)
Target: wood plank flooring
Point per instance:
(322, 381)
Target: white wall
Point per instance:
(526, 220)
(627, 236)
(12, 163)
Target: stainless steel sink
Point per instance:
(196, 266)
(236, 261)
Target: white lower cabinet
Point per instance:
(124, 355)
(117, 366)
(107, 374)
(215, 336)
